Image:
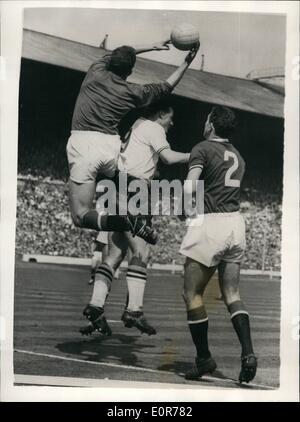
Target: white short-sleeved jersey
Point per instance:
(139, 156)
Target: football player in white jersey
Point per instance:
(146, 144)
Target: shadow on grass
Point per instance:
(119, 348)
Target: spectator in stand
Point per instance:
(38, 232)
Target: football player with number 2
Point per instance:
(216, 241)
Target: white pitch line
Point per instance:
(135, 368)
(112, 365)
(265, 387)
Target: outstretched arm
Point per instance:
(161, 45)
(149, 93)
(178, 74)
(173, 157)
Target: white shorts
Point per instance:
(221, 237)
(90, 153)
(102, 237)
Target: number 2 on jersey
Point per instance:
(233, 183)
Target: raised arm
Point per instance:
(179, 72)
(149, 93)
(161, 45)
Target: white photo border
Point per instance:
(11, 44)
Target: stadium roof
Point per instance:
(242, 94)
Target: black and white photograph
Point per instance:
(149, 201)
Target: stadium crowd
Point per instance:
(44, 225)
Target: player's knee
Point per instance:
(113, 261)
(190, 266)
(230, 295)
(144, 255)
(138, 261)
(188, 295)
(140, 253)
(77, 221)
(78, 217)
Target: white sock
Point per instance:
(136, 282)
(102, 285)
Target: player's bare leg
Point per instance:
(117, 249)
(196, 278)
(83, 215)
(229, 278)
(118, 246)
(96, 259)
(99, 255)
(81, 197)
(133, 315)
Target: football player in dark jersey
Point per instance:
(105, 97)
(216, 240)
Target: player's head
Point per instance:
(161, 113)
(122, 61)
(221, 122)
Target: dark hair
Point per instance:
(153, 109)
(224, 120)
(122, 61)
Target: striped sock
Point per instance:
(102, 285)
(136, 281)
(241, 323)
(198, 325)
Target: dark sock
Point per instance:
(241, 323)
(115, 223)
(90, 220)
(111, 223)
(198, 325)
